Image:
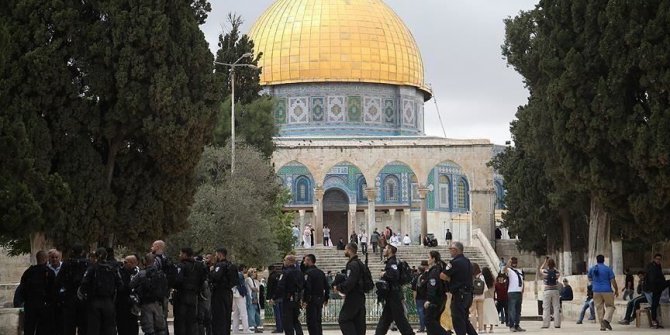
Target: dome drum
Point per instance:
(347, 109)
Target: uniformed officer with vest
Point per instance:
(67, 283)
(289, 289)
(435, 294)
(459, 274)
(99, 287)
(315, 295)
(37, 285)
(352, 314)
(190, 277)
(223, 276)
(393, 307)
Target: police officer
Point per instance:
(37, 283)
(289, 290)
(459, 274)
(190, 277)
(435, 295)
(393, 307)
(126, 321)
(315, 295)
(352, 314)
(99, 287)
(223, 276)
(67, 282)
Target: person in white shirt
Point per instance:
(514, 294)
(395, 240)
(326, 236)
(363, 238)
(307, 237)
(406, 240)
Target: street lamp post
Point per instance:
(232, 103)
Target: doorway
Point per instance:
(336, 214)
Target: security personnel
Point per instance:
(459, 274)
(435, 294)
(190, 277)
(223, 276)
(126, 321)
(315, 295)
(289, 290)
(37, 283)
(67, 282)
(99, 287)
(352, 314)
(393, 307)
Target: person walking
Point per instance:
(515, 290)
(307, 237)
(99, 287)
(315, 295)
(374, 240)
(477, 308)
(151, 285)
(352, 315)
(448, 236)
(223, 277)
(393, 310)
(435, 294)
(419, 290)
(290, 285)
(551, 296)
(459, 274)
(326, 237)
(655, 283)
(490, 311)
(295, 233)
(364, 242)
(501, 297)
(273, 281)
(602, 278)
(588, 304)
(37, 284)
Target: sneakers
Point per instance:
(512, 329)
(579, 322)
(516, 329)
(624, 322)
(607, 324)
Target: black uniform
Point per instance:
(223, 278)
(435, 295)
(393, 307)
(273, 281)
(315, 295)
(99, 286)
(37, 284)
(352, 314)
(289, 290)
(67, 282)
(126, 322)
(459, 270)
(190, 277)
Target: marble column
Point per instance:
(423, 193)
(406, 221)
(301, 216)
(392, 223)
(352, 219)
(371, 193)
(318, 215)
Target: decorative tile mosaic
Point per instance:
(297, 110)
(354, 108)
(373, 110)
(389, 111)
(318, 109)
(280, 111)
(408, 113)
(336, 112)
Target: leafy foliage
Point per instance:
(241, 212)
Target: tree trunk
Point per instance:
(38, 241)
(599, 233)
(566, 261)
(617, 256)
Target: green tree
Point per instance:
(241, 212)
(117, 99)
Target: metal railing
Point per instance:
(373, 310)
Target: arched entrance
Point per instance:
(336, 214)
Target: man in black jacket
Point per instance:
(352, 314)
(273, 281)
(99, 287)
(289, 290)
(67, 283)
(37, 284)
(393, 307)
(126, 321)
(315, 295)
(435, 295)
(655, 283)
(189, 280)
(223, 276)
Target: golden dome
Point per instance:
(336, 41)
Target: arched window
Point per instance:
(462, 195)
(443, 191)
(302, 190)
(391, 188)
(362, 195)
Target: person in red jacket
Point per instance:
(501, 298)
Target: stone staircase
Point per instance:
(331, 259)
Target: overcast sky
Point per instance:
(460, 41)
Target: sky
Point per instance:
(460, 41)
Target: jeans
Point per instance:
(632, 306)
(502, 311)
(628, 293)
(588, 304)
(276, 308)
(422, 314)
(514, 300)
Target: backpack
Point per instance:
(421, 281)
(552, 279)
(367, 284)
(405, 273)
(104, 283)
(155, 288)
(241, 286)
(169, 269)
(478, 286)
